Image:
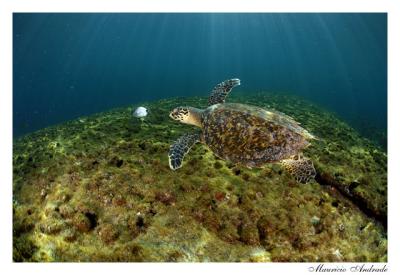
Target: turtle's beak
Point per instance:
(174, 114)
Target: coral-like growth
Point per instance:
(100, 189)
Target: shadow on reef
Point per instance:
(99, 189)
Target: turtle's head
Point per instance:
(187, 115)
(180, 114)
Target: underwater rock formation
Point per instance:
(99, 188)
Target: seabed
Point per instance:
(99, 188)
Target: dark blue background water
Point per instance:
(68, 65)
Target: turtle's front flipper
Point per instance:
(220, 92)
(180, 148)
(300, 167)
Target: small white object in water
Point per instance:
(140, 112)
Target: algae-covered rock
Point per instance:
(99, 188)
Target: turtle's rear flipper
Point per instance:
(300, 167)
(221, 91)
(180, 148)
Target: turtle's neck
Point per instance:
(195, 117)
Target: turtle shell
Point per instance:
(251, 135)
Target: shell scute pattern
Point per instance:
(242, 134)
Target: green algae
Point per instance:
(99, 189)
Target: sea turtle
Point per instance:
(244, 134)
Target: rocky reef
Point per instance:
(99, 189)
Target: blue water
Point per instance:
(68, 65)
